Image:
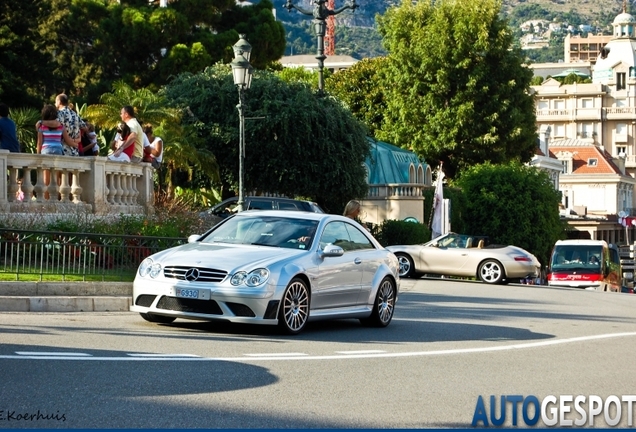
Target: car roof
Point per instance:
(581, 242)
(295, 214)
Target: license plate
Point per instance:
(188, 293)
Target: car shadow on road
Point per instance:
(108, 389)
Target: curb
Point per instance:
(65, 296)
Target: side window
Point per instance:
(287, 206)
(226, 208)
(336, 234)
(260, 205)
(358, 239)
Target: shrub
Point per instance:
(394, 232)
(172, 218)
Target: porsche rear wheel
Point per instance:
(491, 271)
(407, 268)
(294, 309)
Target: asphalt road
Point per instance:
(449, 343)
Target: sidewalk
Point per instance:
(65, 296)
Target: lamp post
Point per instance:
(242, 73)
(320, 13)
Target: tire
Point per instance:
(161, 319)
(491, 272)
(383, 306)
(293, 313)
(407, 268)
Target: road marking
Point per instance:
(163, 355)
(361, 352)
(300, 356)
(54, 354)
(277, 355)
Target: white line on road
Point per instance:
(163, 355)
(277, 355)
(300, 356)
(361, 352)
(53, 354)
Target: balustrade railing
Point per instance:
(401, 190)
(56, 184)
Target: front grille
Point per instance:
(240, 309)
(145, 300)
(203, 274)
(209, 307)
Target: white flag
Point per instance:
(438, 204)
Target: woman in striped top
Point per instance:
(50, 138)
(50, 141)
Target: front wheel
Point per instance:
(407, 268)
(294, 309)
(383, 306)
(491, 271)
(161, 319)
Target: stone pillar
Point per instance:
(4, 204)
(145, 186)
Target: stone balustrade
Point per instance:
(393, 191)
(59, 184)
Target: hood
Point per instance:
(223, 256)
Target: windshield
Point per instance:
(584, 258)
(265, 231)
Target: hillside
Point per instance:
(357, 36)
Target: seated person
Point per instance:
(594, 260)
(576, 257)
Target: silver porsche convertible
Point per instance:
(466, 256)
(272, 267)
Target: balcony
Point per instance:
(554, 115)
(620, 113)
(86, 184)
(630, 161)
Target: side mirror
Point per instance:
(193, 238)
(332, 251)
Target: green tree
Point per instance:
(93, 43)
(22, 65)
(362, 89)
(297, 144)
(458, 88)
(512, 204)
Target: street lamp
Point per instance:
(320, 14)
(242, 73)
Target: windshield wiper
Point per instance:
(263, 244)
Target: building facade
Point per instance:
(592, 130)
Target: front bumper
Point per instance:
(238, 305)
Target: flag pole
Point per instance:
(438, 179)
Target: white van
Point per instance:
(588, 264)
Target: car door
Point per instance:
(338, 281)
(369, 257)
(448, 257)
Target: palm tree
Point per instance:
(150, 107)
(25, 119)
(183, 150)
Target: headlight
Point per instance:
(252, 279)
(155, 270)
(144, 267)
(149, 268)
